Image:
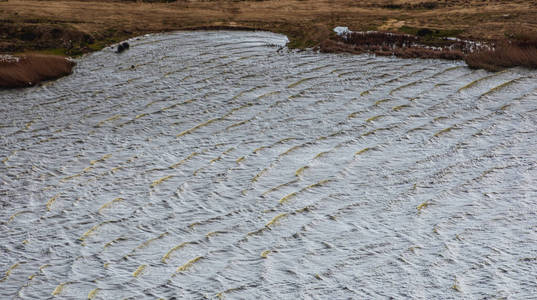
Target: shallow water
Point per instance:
(224, 166)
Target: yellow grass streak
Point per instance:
(321, 154)
(228, 151)
(381, 101)
(28, 125)
(8, 272)
(188, 131)
(353, 115)
(51, 201)
(240, 159)
(146, 243)
(400, 107)
(197, 171)
(93, 293)
(506, 106)
(139, 270)
(318, 184)
(363, 151)
(292, 85)
(259, 149)
(59, 288)
(374, 118)
(290, 150)
(244, 92)
(265, 253)
(268, 95)
(161, 180)
(92, 230)
(456, 286)
(447, 70)
(188, 264)
(237, 109)
(301, 170)
(255, 232)
(213, 233)
(177, 104)
(290, 97)
(501, 86)
(9, 156)
(274, 144)
(445, 130)
(370, 132)
(256, 177)
(275, 219)
(404, 86)
(223, 153)
(114, 241)
(112, 118)
(220, 295)
(108, 204)
(215, 159)
(346, 73)
(184, 160)
(41, 268)
(311, 186)
(471, 84)
(239, 124)
(423, 205)
(105, 157)
(140, 116)
(287, 197)
(169, 253)
(192, 225)
(74, 175)
(279, 186)
(13, 216)
(364, 93)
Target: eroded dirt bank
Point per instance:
(31, 69)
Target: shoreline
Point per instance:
(26, 70)
(30, 26)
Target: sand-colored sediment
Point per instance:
(31, 69)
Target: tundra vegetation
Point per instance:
(72, 28)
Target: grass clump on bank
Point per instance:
(519, 50)
(395, 44)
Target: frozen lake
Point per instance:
(221, 165)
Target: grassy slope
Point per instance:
(74, 27)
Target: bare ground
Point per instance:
(75, 27)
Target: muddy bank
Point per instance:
(29, 70)
(517, 50)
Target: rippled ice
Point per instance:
(222, 165)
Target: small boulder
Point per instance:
(122, 47)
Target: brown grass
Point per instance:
(76, 27)
(519, 50)
(33, 69)
(392, 44)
